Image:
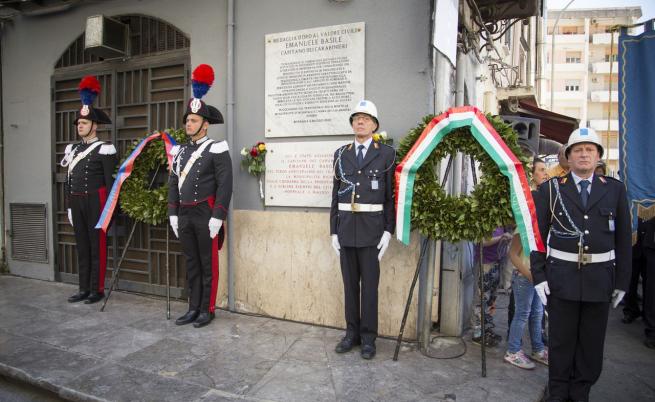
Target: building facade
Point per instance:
(583, 60)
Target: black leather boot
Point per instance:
(203, 319)
(187, 318)
(94, 298)
(77, 297)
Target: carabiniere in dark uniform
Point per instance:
(91, 165)
(587, 266)
(200, 189)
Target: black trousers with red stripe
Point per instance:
(91, 242)
(201, 253)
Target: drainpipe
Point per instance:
(230, 140)
(3, 237)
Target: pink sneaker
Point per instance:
(540, 357)
(519, 359)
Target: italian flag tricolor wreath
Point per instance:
(464, 217)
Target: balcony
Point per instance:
(603, 96)
(566, 96)
(604, 39)
(567, 67)
(601, 125)
(561, 39)
(603, 67)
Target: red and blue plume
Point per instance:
(201, 80)
(89, 88)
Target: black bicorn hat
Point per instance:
(89, 89)
(201, 80)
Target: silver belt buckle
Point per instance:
(585, 258)
(355, 207)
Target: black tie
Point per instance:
(584, 194)
(360, 155)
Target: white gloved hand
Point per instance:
(173, 221)
(214, 227)
(70, 216)
(383, 244)
(617, 296)
(542, 291)
(335, 244)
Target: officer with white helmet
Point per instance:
(362, 219)
(586, 220)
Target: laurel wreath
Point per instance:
(137, 200)
(438, 215)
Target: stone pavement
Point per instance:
(131, 352)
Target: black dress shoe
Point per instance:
(368, 351)
(77, 297)
(94, 298)
(203, 319)
(187, 318)
(628, 318)
(346, 344)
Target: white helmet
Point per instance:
(366, 107)
(584, 134)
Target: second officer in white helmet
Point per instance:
(586, 220)
(362, 219)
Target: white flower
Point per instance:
(244, 152)
(383, 135)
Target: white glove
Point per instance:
(383, 244)
(335, 244)
(173, 220)
(617, 296)
(214, 227)
(70, 216)
(542, 291)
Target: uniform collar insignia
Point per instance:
(602, 179)
(563, 180)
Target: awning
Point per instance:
(553, 125)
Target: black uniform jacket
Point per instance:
(210, 177)
(363, 229)
(94, 171)
(605, 223)
(645, 236)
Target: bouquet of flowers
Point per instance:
(254, 160)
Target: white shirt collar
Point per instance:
(366, 144)
(577, 179)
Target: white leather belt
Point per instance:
(360, 207)
(587, 258)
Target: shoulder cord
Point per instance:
(567, 233)
(341, 177)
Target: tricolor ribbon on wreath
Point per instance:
(126, 170)
(521, 196)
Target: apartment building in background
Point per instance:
(583, 60)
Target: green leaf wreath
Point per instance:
(438, 215)
(136, 200)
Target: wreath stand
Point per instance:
(114, 276)
(495, 146)
(154, 159)
(480, 284)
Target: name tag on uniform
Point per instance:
(374, 184)
(611, 225)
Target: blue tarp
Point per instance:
(637, 117)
